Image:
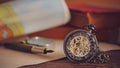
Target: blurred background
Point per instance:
(103, 14)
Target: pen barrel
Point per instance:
(18, 46)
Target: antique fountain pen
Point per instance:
(31, 48)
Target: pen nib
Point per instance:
(49, 51)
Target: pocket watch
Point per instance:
(81, 45)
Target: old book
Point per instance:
(19, 17)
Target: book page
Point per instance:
(12, 58)
(19, 17)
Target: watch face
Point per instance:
(80, 45)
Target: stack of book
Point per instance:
(105, 16)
